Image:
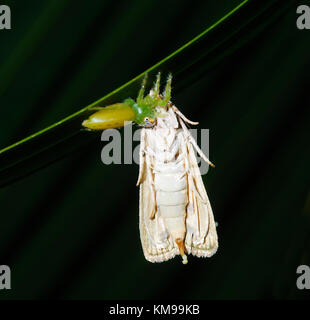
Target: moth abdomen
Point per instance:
(170, 182)
(172, 198)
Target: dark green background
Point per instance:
(70, 230)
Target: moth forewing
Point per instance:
(201, 238)
(156, 244)
(175, 213)
(141, 156)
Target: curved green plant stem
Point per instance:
(96, 103)
(187, 63)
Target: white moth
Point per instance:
(175, 213)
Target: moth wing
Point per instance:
(201, 236)
(157, 244)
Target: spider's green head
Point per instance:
(145, 107)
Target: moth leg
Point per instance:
(181, 115)
(193, 142)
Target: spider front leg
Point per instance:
(167, 92)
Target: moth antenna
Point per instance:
(157, 85)
(167, 93)
(180, 243)
(141, 92)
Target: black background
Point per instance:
(70, 230)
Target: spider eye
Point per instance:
(148, 122)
